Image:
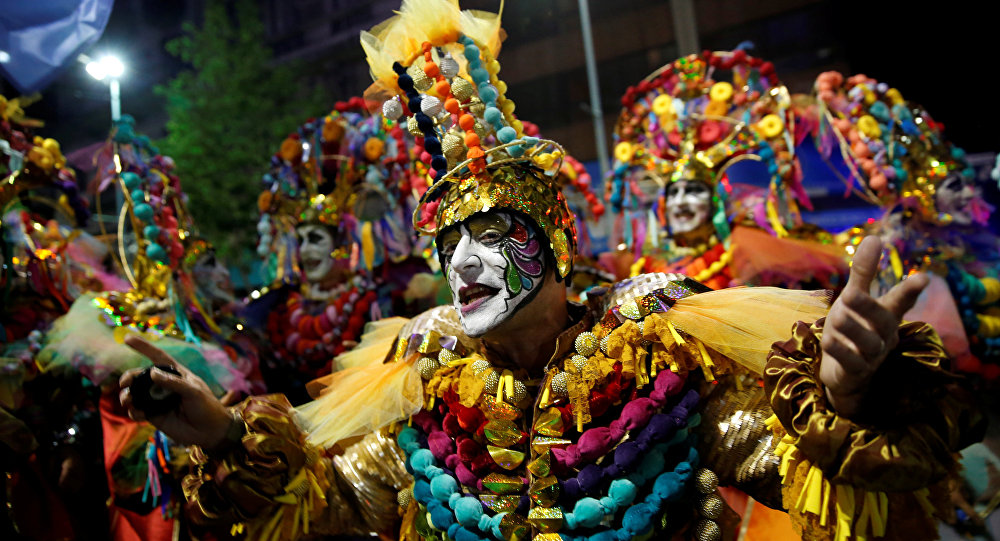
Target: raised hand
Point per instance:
(861, 330)
(201, 419)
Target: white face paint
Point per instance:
(315, 251)
(954, 195)
(495, 265)
(689, 205)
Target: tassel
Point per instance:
(673, 332)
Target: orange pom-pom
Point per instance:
(431, 69)
(467, 122)
(452, 106)
(471, 139)
(442, 88)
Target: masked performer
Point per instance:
(899, 159)
(679, 132)
(512, 414)
(336, 241)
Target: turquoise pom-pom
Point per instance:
(151, 232)
(569, 521)
(588, 512)
(487, 93)
(156, 252)
(421, 460)
(480, 75)
(406, 438)
(506, 134)
(138, 196)
(468, 511)
(441, 517)
(495, 525)
(131, 180)
(453, 530)
(622, 491)
(637, 518)
(530, 141)
(263, 250)
(493, 115)
(471, 52)
(144, 212)
(667, 485)
(422, 491)
(606, 535)
(516, 150)
(443, 486)
(608, 504)
(463, 534)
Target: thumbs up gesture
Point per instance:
(861, 330)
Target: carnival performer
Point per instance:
(50, 443)
(679, 132)
(899, 159)
(143, 467)
(511, 414)
(336, 240)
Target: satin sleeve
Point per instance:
(918, 415)
(274, 486)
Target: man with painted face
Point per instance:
(512, 414)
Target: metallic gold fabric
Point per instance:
(736, 443)
(917, 419)
(273, 472)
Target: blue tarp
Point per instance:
(40, 38)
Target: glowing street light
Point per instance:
(109, 67)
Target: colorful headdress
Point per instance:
(896, 152)
(348, 170)
(33, 173)
(436, 65)
(691, 120)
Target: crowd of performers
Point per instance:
(438, 353)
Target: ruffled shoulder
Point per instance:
(380, 381)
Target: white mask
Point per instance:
(689, 204)
(315, 249)
(954, 195)
(495, 265)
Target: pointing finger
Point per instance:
(904, 295)
(153, 353)
(865, 264)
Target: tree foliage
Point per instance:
(227, 114)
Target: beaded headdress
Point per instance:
(436, 65)
(896, 153)
(348, 170)
(692, 119)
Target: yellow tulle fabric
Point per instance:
(367, 394)
(743, 322)
(375, 342)
(438, 22)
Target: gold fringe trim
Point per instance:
(842, 512)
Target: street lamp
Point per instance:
(109, 67)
